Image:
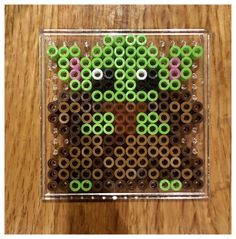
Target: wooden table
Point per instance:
(25, 212)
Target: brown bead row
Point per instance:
(120, 185)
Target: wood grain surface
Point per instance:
(24, 210)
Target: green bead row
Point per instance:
(129, 46)
(97, 129)
(130, 62)
(76, 85)
(175, 185)
(64, 52)
(186, 51)
(99, 118)
(152, 128)
(85, 185)
(121, 96)
(174, 85)
(143, 118)
(129, 40)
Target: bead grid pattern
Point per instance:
(124, 114)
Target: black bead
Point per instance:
(108, 74)
(97, 85)
(74, 129)
(151, 84)
(141, 85)
(152, 74)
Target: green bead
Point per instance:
(164, 185)
(152, 63)
(97, 63)
(130, 96)
(86, 74)
(119, 74)
(142, 63)
(164, 62)
(108, 129)
(197, 52)
(75, 51)
(153, 117)
(119, 96)
(75, 85)
(130, 63)
(175, 85)
(109, 117)
(86, 129)
(152, 129)
(108, 62)
(64, 75)
(64, 52)
(176, 185)
(52, 52)
(130, 85)
(141, 40)
(142, 118)
(75, 185)
(86, 85)
(185, 74)
(186, 62)
(108, 51)
(141, 129)
(163, 73)
(164, 84)
(119, 63)
(86, 185)
(119, 85)
(97, 118)
(175, 51)
(108, 96)
(86, 63)
(119, 51)
(96, 51)
(130, 51)
(152, 95)
(119, 40)
(152, 51)
(97, 129)
(108, 40)
(64, 63)
(130, 74)
(186, 51)
(141, 51)
(141, 96)
(97, 96)
(164, 128)
(130, 40)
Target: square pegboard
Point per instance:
(127, 117)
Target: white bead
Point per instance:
(141, 74)
(97, 74)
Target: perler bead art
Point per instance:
(124, 114)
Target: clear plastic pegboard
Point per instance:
(124, 114)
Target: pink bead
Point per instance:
(174, 62)
(75, 74)
(75, 63)
(174, 73)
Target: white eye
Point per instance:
(97, 74)
(141, 74)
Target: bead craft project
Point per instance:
(124, 114)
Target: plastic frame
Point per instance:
(50, 35)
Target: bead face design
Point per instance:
(126, 117)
